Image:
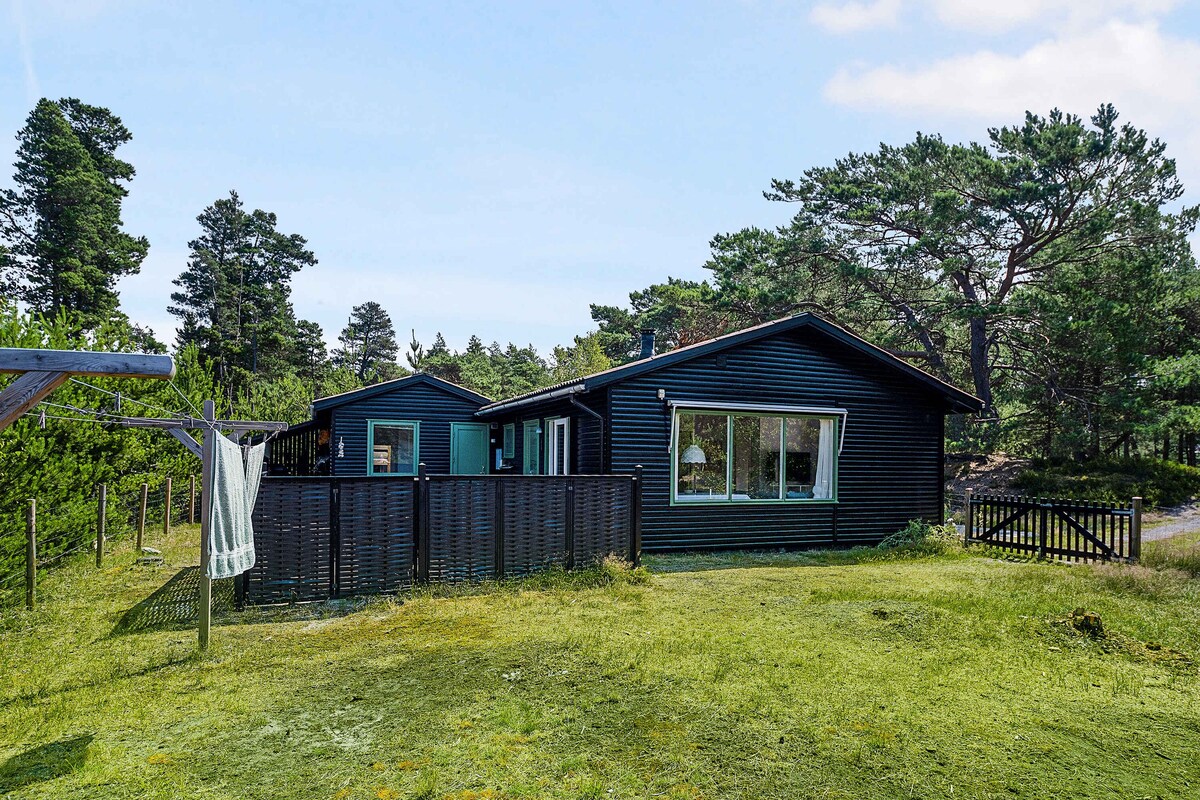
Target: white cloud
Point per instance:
(989, 16)
(855, 16)
(32, 90)
(1152, 78)
(986, 16)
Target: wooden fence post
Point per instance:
(1135, 531)
(968, 517)
(141, 525)
(167, 507)
(192, 500)
(635, 510)
(1043, 519)
(422, 524)
(31, 555)
(206, 482)
(570, 523)
(101, 512)
(498, 564)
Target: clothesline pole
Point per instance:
(206, 488)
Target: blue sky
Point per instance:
(493, 168)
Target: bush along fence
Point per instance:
(1072, 530)
(317, 538)
(53, 534)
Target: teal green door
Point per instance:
(468, 448)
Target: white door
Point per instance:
(558, 457)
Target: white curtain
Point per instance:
(823, 488)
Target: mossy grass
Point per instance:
(917, 671)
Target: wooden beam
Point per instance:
(26, 392)
(86, 362)
(193, 446)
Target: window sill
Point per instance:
(724, 501)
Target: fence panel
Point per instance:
(603, 519)
(321, 537)
(462, 515)
(375, 535)
(535, 528)
(1072, 530)
(292, 542)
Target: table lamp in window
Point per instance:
(693, 455)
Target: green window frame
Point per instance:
(412, 425)
(531, 431)
(832, 436)
(510, 441)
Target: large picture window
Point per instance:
(392, 447)
(735, 456)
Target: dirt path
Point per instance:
(1184, 519)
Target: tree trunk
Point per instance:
(980, 374)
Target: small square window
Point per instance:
(393, 447)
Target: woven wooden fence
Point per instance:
(322, 537)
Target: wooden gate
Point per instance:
(1073, 530)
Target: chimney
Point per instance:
(647, 343)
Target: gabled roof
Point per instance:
(396, 385)
(959, 399)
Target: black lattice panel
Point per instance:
(602, 518)
(462, 544)
(535, 531)
(291, 542)
(375, 553)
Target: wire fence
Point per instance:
(63, 530)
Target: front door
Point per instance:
(468, 448)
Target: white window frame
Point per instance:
(552, 465)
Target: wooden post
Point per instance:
(570, 523)
(206, 482)
(423, 560)
(1135, 531)
(968, 517)
(167, 508)
(1043, 524)
(635, 533)
(101, 510)
(192, 500)
(31, 555)
(498, 524)
(141, 526)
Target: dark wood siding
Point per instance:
(433, 408)
(889, 471)
(587, 432)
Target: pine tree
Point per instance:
(64, 244)
(234, 294)
(369, 345)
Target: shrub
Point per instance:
(921, 538)
(1113, 480)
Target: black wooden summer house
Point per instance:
(794, 433)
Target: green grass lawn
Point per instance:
(786, 676)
